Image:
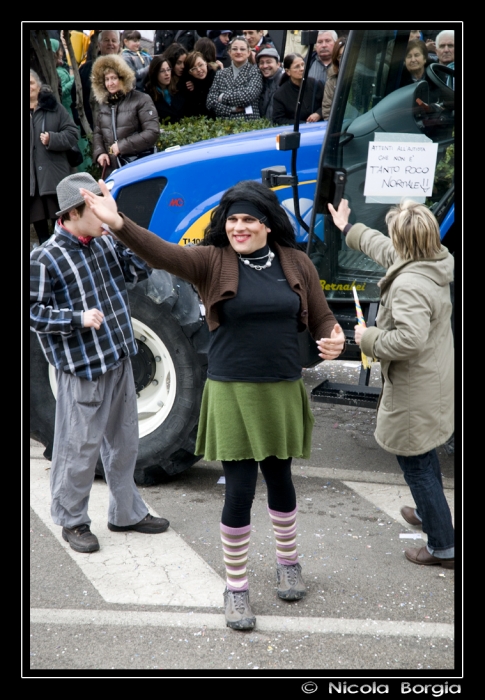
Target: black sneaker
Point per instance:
(149, 525)
(80, 538)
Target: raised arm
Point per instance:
(190, 263)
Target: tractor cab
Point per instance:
(385, 140)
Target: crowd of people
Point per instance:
(233, 74)
(87, 335)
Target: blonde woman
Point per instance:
(413, 341)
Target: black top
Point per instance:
(195, 100)
(285, 100)
(175, 110)
(257, 340)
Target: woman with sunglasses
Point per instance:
(235, 92)
(160, 85)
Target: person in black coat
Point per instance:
(52, 134)
(163, 38)
(197, 80)
(285, 98)
(221, 42)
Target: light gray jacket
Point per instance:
(413, 341)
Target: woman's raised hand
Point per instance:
(341, 215)
(103, 206)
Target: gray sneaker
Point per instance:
(239, 615)
(290, 582)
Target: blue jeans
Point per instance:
(423, 476)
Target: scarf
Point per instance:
(165, 94)
(112, 99)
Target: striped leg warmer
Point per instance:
(235, 545)
(284, 526)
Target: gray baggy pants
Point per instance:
(95, 418)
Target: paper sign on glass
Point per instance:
(402, 168)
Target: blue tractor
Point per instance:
(174, 192)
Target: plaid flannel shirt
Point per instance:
(68, 278)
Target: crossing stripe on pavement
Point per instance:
(146, 569)
(265, 623)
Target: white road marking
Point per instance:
(146, 569)
(265, 623)
(163, 569)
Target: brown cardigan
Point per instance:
(215, 273)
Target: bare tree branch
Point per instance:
(93, 52)
(42, 46)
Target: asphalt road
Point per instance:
(152, 605)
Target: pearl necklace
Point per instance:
(269, 255)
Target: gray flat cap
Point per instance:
(268, 52)
(68, 191)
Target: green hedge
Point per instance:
(191, 129)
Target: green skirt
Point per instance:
(245, 420)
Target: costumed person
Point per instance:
(259, 291)
(127, 122)
(413, 341)
(80, 312)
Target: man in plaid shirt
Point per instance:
(80, 311)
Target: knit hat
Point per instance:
(68, 192)
(268, 52)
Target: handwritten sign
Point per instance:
(402, 169)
